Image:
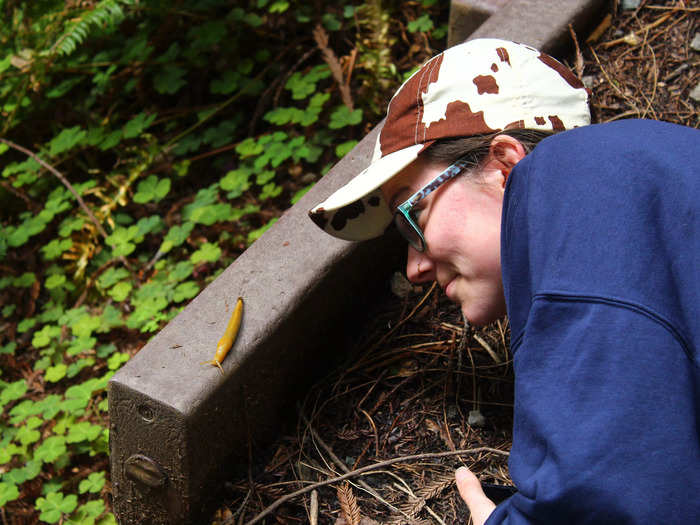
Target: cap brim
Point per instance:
(358, 211)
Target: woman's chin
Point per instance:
(474, 318)
(480, 315)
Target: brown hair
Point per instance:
(476, 148)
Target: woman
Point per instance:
(588, 239)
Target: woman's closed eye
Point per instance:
(416, 214)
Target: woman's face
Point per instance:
(461, 222)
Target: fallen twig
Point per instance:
(488, 348)
(313, 510)
(644, 29)
(368, 468)
(60, 177)
(579, 55)
(343, 466)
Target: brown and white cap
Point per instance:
(480, 86)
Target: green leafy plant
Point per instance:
(104, 13)
(144, 146)
(55, 505)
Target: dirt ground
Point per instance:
(420, 386)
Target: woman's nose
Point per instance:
(419, 267)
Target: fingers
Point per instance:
(469, 487)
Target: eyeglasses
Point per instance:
(405, 219)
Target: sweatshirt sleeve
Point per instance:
(606, 417)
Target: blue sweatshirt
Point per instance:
(600, 256)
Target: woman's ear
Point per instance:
(504, 153)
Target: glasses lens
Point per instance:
(408, 231)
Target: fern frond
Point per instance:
(103, 14)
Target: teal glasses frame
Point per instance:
(406, 222)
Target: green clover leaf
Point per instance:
(25, 280)
(302, 85)
(27, 436)
(85, 325)
(75, 368)
(343, 149)
(111, 277)
(280, 6)
(240, 212)
(120, 240)
(180, 271)
(51, 449)
(342, 116)
(208, 215)
(256, 234)
(330, 22)
(22, 411)
(111, 140)
(120, 291)
(270, 191)
(55, 373)
(422, 24)
(29, 471)
(228, 83)
(235, 182)
(116, 360)
(55, 281)
(66, 140)
(249, 147)
(80, 344)
(83, 431)
(136, 125)
(10, 347)
(56, 247)
(264, 177)
(178, 234)
(111, 318)
(299, 194)
(12, 391)
(208, 252)
(152, 189)
(169, 80)
(8, 451)
(184, 291)
(93, 483)
(16, 236)
(55, 505)
(281, 116)
(8, 492)
(87, 514)
(26, 324)
(49, 406)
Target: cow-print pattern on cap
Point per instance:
(503, 54)
(478, 87)
(404, 117)
(423, 108)
(486, 84)
(318, 215)
(347, 213)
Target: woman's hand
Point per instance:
(469, 488)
